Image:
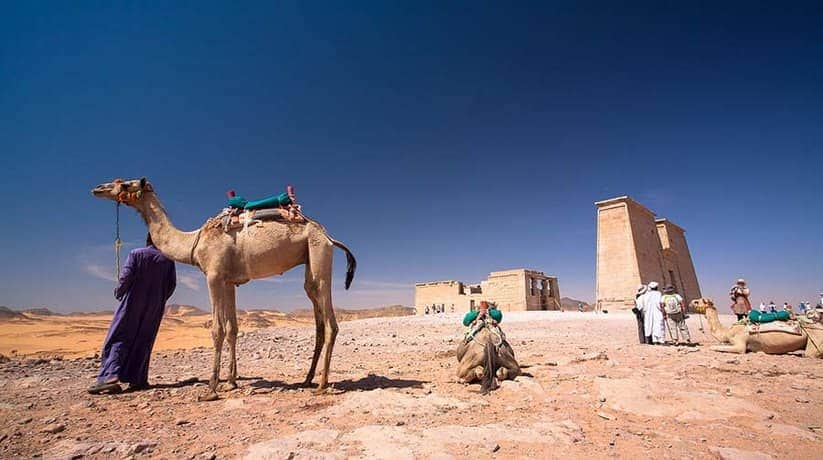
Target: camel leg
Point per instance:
(814, 344)
(217, 290)
(319, 271)
(508, 362)
(470, 368)
(230, 327)
(738, 345)
(319, 332)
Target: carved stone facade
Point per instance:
(511, 290)
(633, 248)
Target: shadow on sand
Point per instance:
(370, 382)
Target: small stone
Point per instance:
(24, 421)
(143, 446)
(54, 428)
(605, 416)
(602, 400)
(802, 400)
(181, 422)
(492, 446)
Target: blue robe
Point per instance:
(146, 282)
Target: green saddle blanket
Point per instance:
(758, 317)
(274, 201)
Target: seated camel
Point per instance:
(485, 357)
(775, 341)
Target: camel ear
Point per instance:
(142, 182)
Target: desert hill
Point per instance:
(184, 310)
(7, 313)
(344, 314)
(41, 311)
(569, 304)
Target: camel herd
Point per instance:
(231, 258)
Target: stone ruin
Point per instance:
(634, 247)
(512, 290)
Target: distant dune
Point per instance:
(41, 332)
(42, 311)
(184, 310)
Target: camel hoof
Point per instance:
(210, 396)
(307, 384)
(228, 386)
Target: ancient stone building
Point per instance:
(511, 290)
(634, 247)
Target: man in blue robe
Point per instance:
(146, 282)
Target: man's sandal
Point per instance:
(109, 388)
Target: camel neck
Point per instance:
(714, 323)
(173, 243)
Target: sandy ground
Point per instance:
(80, 335)
(590, 391)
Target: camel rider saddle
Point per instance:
(495, 333)
(786, 327)
(240, 212)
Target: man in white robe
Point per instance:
(653, 316)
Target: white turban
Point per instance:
(653, 285)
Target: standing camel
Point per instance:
(229, 259)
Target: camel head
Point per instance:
(123, 191)
(701, 305)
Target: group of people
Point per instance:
(741, 305)
(435, 309)
(661, 317)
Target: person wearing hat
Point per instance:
(638, 311)
(740, 299)
(653, 317)
(672, 304)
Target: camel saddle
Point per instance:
(232, 218)
(786, 327)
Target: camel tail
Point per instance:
(351, 262)
(489, 369)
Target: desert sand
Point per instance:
(590, 391)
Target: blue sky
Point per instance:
(439, 140)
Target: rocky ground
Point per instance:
(590, 391)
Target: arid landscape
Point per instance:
(589, 391)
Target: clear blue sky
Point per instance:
(439, 140)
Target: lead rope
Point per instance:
(117, 243)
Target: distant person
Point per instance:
(762, 307)
(820, 302)
(146, 282)
(672, 304)
(427, 310)
(740, 299)
(802, 307)
(638, 311)
(452, 308)
(786, 306)
(772, 307)
(653, 318)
